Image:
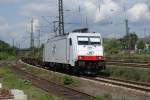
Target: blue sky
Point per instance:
(15, 17)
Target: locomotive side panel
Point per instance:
(47, 52)
(56, 51)
(60, 50)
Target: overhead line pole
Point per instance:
(39, 38)
(99, 5)
(127, 33)
(54, 27)
(32, 39)
(61, 18)
(13, 43)
(127, 27)
(87, 24)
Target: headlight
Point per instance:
(100, 58)
(80, 57)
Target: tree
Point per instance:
(129, 41)
(112, 46)
(4, 45)
(148, 46)
(141, 45)
(6, 51)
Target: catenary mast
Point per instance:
(61, 18)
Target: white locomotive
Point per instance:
(80, 52)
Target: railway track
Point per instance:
(127, 84)
(129, 63)
(59, 90)
(143, 87)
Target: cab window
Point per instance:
(95, 41)
(83, 41)
(89, 41)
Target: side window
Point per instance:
(70, 42)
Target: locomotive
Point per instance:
(76, 51)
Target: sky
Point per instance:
(104, 16)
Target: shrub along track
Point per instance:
(51, 87)
(137, 86)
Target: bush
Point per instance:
(68, 80)
(26, 82)
(97, 98)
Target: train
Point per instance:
(76, 51)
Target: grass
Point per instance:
(53, 76)
(133, 74)
(7, 56)
(107, 96)
(12, 81)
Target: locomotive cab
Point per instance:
(88, 51)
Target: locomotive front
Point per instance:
(90, 53)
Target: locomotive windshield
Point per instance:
(89, 41)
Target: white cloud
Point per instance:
(9, 1)
(35, 25)
(2, 19)
(7, 31)
(105, 11)
(99, 14)
(139, 11)
(3, 25)
(90, 8)
(33, 8)
(4, 28)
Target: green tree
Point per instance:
(112, 46)
(6, 51)
(148, 45)
(4, 45)
(141, 45)
(129, 41)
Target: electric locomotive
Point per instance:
(79, 52)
